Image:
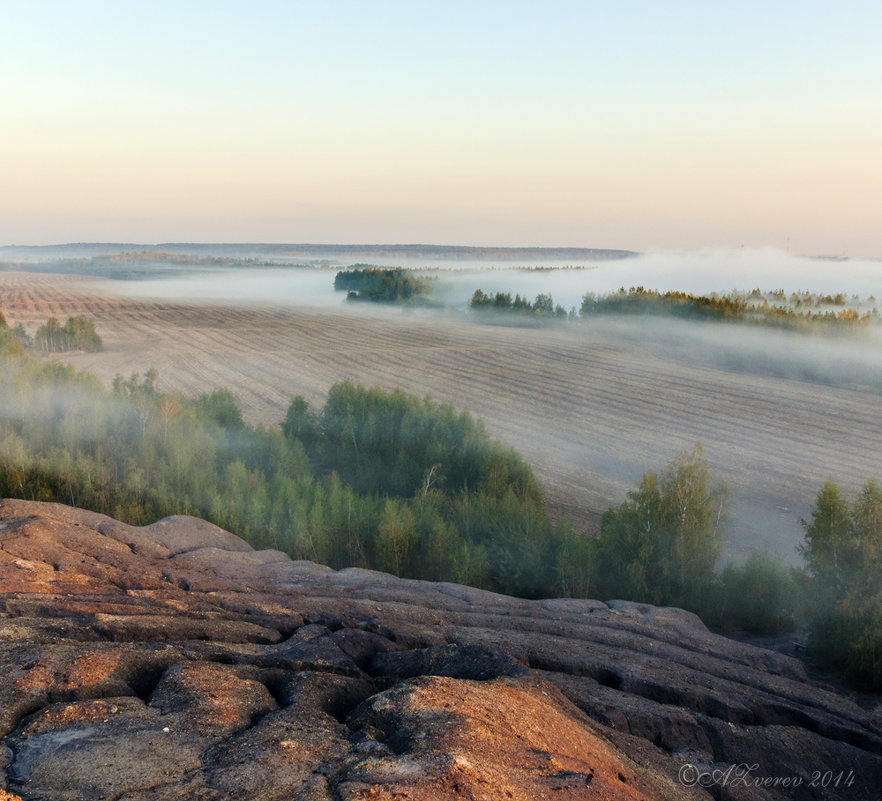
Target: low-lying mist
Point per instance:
(701, 272)
(852, 360)
(284, 286)
(777, 411)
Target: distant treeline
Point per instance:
(78, 333)
(542, 307)
(382, 285)
(753, 307)
(445, 252)
(153, 256)
(137, 265)
(804, 311)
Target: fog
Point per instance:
(852, 360)
(701, 272)
(777, 411)
(283, 286)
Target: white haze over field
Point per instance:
(765, 510)
(285, 286)
(701, 272)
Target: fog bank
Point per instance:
(700, 272)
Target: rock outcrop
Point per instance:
(175, 662)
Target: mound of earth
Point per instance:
(175, 662)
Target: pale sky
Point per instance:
(639, 125)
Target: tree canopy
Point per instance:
(375, 479)
(78, 333)
(843, 552)
(380, 285)
(662, 543)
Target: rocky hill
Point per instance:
(175, 662)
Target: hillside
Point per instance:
(173, 661)
(590, 410)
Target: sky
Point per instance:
(635, 125)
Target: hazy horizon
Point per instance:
(455, 280)
(101, 245)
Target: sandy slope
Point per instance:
(589, 410)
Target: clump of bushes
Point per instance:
(762, 596)
(379, 285)
(78, 333)
(502, 303)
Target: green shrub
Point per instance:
(760, 596)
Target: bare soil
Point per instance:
(590, 411)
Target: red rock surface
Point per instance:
(175, 662)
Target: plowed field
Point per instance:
(589, 410)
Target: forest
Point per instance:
(404, 484)
(801, 311)
(374, 479)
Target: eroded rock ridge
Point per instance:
(175, 662)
